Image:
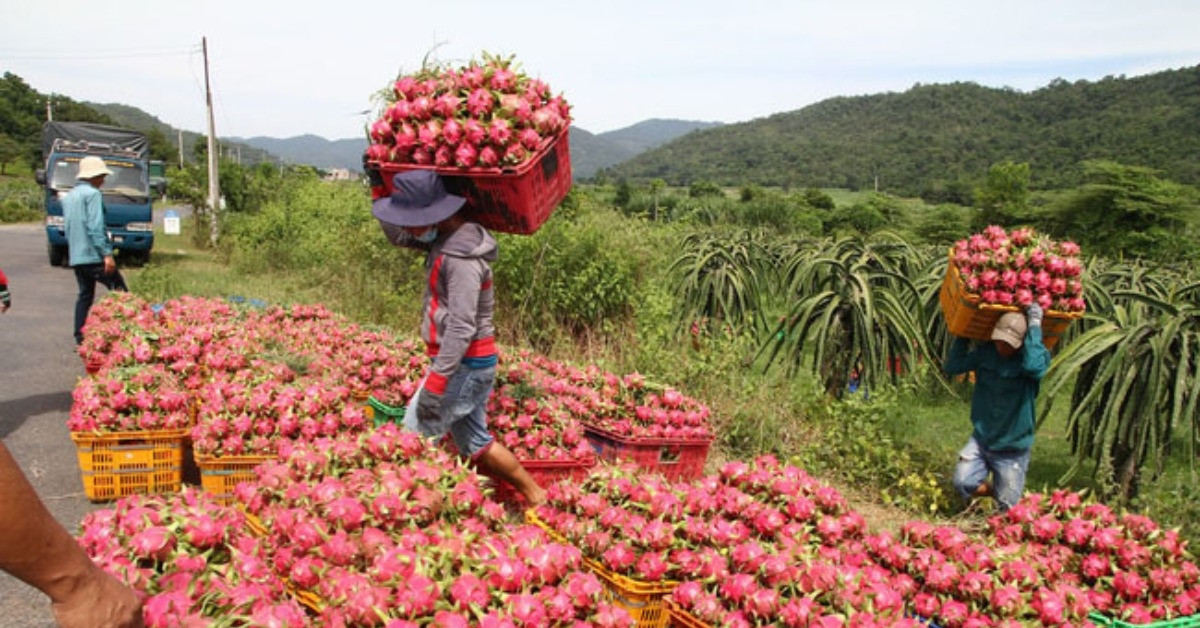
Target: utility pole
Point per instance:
(214, 187)
(50, 108)
(180, 149)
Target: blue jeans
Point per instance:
(464, 411)
(87, 276)
(1008, 470)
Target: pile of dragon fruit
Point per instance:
(627, 406)
(1020, 267)
(192, 559)
(763, 543)
(485, 114)
(245, 379)
(384, 529)
(530, 417)
(378, 529)
(356, 524)
(136, 397)
(240, 379)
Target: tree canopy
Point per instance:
(1128, 211)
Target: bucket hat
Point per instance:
(418, 199)
(92, 166)
(1011, 329)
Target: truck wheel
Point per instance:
(58, 255)
(136, 258)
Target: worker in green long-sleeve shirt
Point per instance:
(1008, 372)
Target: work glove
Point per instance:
(1033, 315)
(429, 406)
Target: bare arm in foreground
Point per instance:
(36, 549)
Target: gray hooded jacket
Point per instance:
(459, 302)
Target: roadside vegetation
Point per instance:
(20, 198)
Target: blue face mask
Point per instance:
(427, 236)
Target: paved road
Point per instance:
(38, 371)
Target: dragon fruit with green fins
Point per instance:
(486, 114)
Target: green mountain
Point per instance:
(932, 138)
(134, 118)
(591, 153)
(311, 149)
(652, 133)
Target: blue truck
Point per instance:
(127, 194)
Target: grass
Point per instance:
(178, 267)
(20, 197)
(941, 423)
(845, 198)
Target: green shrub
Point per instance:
(11, 211)
(326, 234)
(656, 206)
(769, 210)
(855, 446)
(1174, 503)
(583, 275)
(20, 201)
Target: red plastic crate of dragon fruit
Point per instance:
(545, 473)
(496, 135)
(512, 200)
(676, 459)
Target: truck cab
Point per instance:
(158, 177)
(127, 196)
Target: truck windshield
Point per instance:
(128, 178)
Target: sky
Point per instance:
(283, 69)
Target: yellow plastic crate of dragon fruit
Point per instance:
(219, 475)
(116, 464)
(681, 618)
(968, 317)
(644, 601)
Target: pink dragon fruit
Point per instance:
(1003, 269)
(516, 105)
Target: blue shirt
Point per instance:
(1005, 389)
(83, 221)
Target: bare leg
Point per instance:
(500, 462)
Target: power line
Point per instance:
(127, 53)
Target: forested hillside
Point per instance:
(591, 153)
(23, 111)
(934, 140)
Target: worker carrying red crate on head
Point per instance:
(456, 323)
(1009, 370)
